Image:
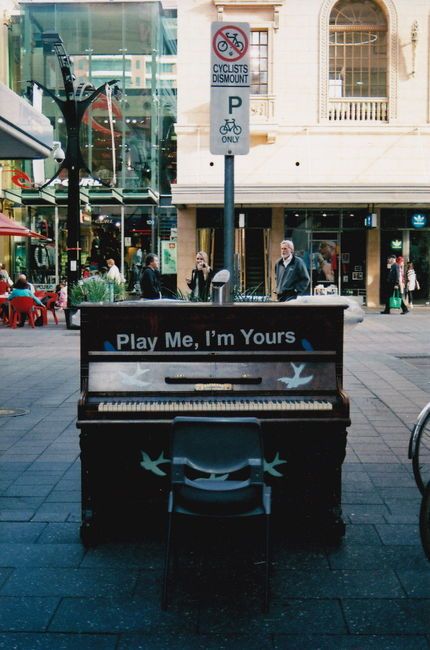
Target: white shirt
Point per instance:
(114, 274)
(287, 260)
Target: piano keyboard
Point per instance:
(215, 406)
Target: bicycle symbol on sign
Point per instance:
(230, 126)
(224, 45)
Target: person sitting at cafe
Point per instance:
(4, 275)
(23, 277)
(20, 290)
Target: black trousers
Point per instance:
(285, 296)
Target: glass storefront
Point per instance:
(406, 232)
(332, 243)
(127, 140)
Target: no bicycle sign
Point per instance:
(230, 81)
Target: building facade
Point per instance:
(127, 137)
(340, 137)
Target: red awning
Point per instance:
(11, 228)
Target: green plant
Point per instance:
(250, 295)
(95, 290)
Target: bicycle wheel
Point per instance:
(421, 453)
(425, 521)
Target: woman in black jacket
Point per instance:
(201, 277)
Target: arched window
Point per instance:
(358, 60)
(357, 50)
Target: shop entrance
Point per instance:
(419, 247)
(252, 246)
(251, 256)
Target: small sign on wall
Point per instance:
(169, 251)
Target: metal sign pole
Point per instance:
(229, 133)
(229, 223)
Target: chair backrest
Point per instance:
(22, 303)
(4, 286)
(217, 445)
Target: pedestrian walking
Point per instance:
(393, 283)
(412, 284)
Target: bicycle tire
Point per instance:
(425, 521)
(421, 454)
(222, 46)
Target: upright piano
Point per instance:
(143, 363)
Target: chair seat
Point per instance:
(218, 498)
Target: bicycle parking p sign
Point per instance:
(230, 82)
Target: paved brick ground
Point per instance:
(373, 591)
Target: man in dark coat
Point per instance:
(292, 277)
(150, 282)
(393, 282)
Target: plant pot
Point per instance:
(73, 318)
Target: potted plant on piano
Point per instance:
(94, 289)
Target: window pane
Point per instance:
(259, 61)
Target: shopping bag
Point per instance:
(395, 300)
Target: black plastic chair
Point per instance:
(216, 447)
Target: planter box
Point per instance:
(73, 318)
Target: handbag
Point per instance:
(395, 300)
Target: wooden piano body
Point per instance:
(143, 363)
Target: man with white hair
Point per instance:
(292, 277)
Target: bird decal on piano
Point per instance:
(296, 380)
(152, 465)
(133, 380)
(270, 467)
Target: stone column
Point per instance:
(373, 267)
(277, 235)
(187, 243)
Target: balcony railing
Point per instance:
(358, 110)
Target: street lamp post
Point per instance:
(73, 110)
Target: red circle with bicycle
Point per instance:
(230, 43)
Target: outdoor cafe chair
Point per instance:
(24, 305)
(217, 447)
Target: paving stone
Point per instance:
(388, 616)
(26, 614)
(48, 641)
(121, 615)
(293, 616)
(337, 584)
(195, 642)
(12, 531)
(68, 582)
(350, 642)
(40, 555)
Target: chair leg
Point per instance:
(167, 561)
(267, 572)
